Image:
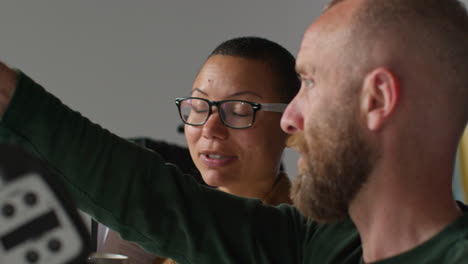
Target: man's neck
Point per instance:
(393, 217)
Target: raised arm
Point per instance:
(7, 86)
(133, 191)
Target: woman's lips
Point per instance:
(216, 160)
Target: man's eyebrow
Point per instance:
(305, 69)
(299, 69)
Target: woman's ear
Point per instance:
(380, 95)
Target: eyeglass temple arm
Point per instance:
(273, 107)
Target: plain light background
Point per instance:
(121, 63)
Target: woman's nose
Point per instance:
(214, 127)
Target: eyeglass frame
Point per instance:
(269, 107)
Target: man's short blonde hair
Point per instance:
(437, 29)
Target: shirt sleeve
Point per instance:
(133, 191)
(172, 153)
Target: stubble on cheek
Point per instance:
(336, 163)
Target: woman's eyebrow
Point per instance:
(229, 96)
(245, 92)
(198, 90)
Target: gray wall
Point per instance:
(121, 63)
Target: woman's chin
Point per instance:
(215, 178)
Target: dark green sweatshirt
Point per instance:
(133, 191)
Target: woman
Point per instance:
(234, 139)
(232, 123)
(237, 148)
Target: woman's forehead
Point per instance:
(229, 75)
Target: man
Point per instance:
(382, 106)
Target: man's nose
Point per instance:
(292, 120)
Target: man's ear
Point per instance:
(380, 95)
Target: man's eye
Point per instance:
(308, 82)
(305, 81)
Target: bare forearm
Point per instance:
(7, 86)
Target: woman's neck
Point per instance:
(246, 189)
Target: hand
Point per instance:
(7, 86)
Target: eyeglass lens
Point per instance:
(233, 113)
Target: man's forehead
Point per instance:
(311, 43)
(329, 27)
(316, 31)
(310, 37)
(303, 57)
(335, 16)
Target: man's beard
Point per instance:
(337, 162)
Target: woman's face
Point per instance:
(237, 159)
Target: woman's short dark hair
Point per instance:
(281, 61)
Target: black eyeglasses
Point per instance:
(237, 114)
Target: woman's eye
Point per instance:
(199, 109)
(240, 111)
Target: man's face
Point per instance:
(325, 122)
(335, 163)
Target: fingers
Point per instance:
(8, 79)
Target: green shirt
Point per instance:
(133, 191)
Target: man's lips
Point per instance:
(216, 159)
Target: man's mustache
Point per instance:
(298, 142)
